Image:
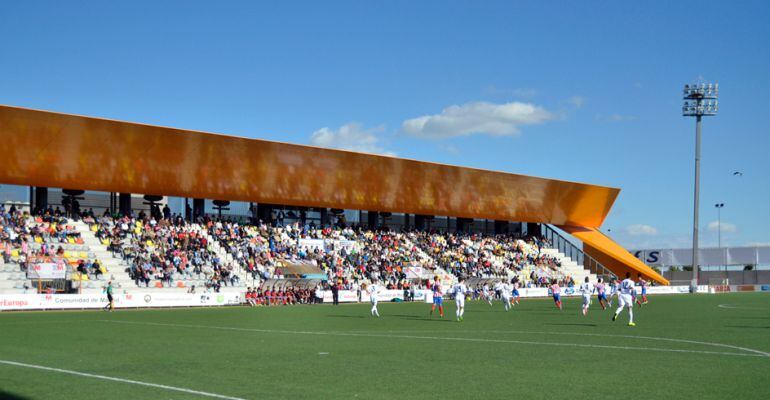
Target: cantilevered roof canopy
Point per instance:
(57, 150)
(611, 255)
(49, 149)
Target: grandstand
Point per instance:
(176, 255)
(414, 215)
(410, 215)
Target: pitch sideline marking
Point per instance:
(122, 380)
(732, 307)
(729, 346)
(755, 353)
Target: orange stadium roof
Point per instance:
(50, 149)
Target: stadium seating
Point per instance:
(215, 255)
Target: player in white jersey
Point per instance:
(613, 291)
(374, 290)
(625, 299)
(498, 288)
(487, 294)
(459, 291)
(586, 289)
(505, 294)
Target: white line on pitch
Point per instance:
(457, 339)
(111, 378)
(732, 307)
(664, 339)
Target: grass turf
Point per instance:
(534, 351)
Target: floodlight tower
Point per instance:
(719, 207)
(699, 100)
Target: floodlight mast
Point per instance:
(699, 100)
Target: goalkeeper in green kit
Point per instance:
(111, 302)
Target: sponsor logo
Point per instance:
(721, 288)
(652, 257)
(147, 298)
(13, 303)
(746, 288)
(765, 288)
(220, 299)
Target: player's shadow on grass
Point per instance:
(568, 324)
(517, 309)
(422, 318)
(348, 316)
(10, 396)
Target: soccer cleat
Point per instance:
(631, 324)
(614, 317)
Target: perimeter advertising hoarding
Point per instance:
(131, 300)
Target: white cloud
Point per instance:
(351, 136)
(477, 118)
(577, 101)
(641, 230)
(713, 226)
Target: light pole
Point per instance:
(719, 230)
(699, 100)
(719, 222)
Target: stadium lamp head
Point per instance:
(700, 99)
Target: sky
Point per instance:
(582, 91)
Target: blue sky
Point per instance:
(585, 91)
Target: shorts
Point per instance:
(460, 302)
(373, 300)
(625, 300)
(586, 299)
(644, 291)
(507, 299)
(602, 296)
(438, 301)
(557, 297)
(109, 298)
(515, 292)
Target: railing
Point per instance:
(569, 249)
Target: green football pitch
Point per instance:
(704, 346)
